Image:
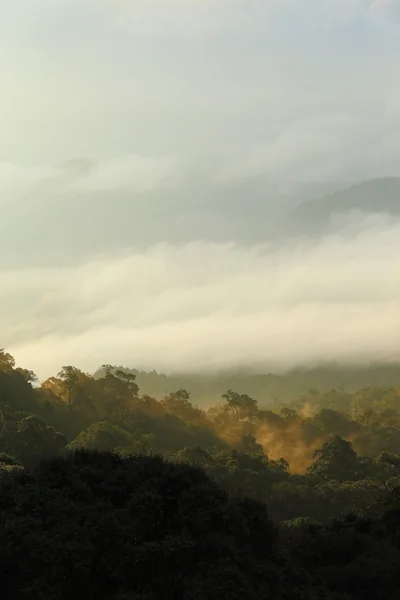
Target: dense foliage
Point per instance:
(270, 388)
(107, 493)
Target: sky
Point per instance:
(146, 148)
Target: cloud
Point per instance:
(134, 173)
(206, 17)
(196, 118)
(194, 17)
(15, 178)
(85, 176)
(212, 306)
(197, 79)
(387, 10)
(321, 147)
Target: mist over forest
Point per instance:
(307, 292)
(125, 493)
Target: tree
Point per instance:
(29, 376)
(145, 444)
(118, 387)
(133, 528)
(54, 387)
(16, 385)
(30, 440)
(70, 376)
(249, 445)
(7, 362)
(335, 422)
(195, 455)
(129, 381)
(177, 401)
(241, 405)
(103, 436)
(178, 404)
(335, 459)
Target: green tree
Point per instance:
(70, 377)
(95, 525)
(241, 405)
(249, 445)
(335, 459)
(7, 362)
(178, 403)
(103, 436)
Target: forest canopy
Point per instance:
(149, 476)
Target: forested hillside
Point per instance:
(271, 389)
(106, 492)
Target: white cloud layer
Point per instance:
(388, 10)
(210, 306)
(134, 173)
(195, 79)
(175, 105)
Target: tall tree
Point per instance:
(7, 362)
(241, 405)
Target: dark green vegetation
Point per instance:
(271, 389)
(108, 493)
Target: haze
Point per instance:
(152, 153)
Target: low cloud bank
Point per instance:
(204, 306)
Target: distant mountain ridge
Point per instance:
(373, 196)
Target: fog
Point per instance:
(151, 156)
(207, 306)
